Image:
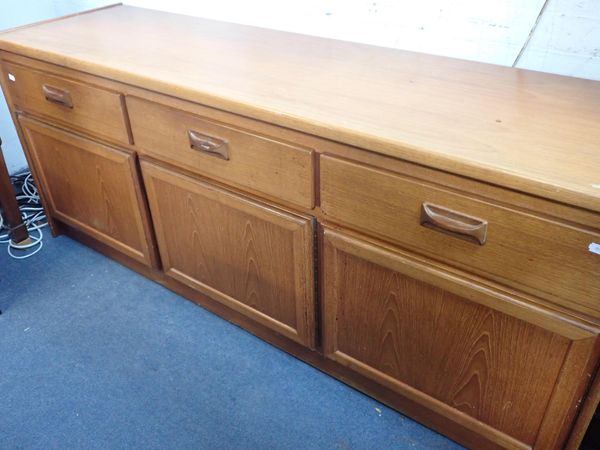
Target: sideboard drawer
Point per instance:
(224, 152)
(537, 255)
(78, 105)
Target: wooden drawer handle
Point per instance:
(468, 227)
(207, 144)
(59, 96)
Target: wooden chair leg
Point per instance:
(18, 230)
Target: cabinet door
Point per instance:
(253, 258)
(91, 187)
(505, 370)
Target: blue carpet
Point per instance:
(95, 356)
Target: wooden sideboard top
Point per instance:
(529, 131)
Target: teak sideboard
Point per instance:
(425, 229)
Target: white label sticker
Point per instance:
(594, 248)
(596, 186)
(11, 77)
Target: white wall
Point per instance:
(564, 39)
(14, 13)
(483, 30)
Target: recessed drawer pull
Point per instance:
(207, 144)
(59, 96)
(438, 217)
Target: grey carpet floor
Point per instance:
(95, 356)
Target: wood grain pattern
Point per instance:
(524, 130)
(254, 258)
(93, 109)
(256, 162)
(540, 256)
(419, 338)
(91, 187)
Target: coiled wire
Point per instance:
(33, 216)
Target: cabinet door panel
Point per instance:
(435, 339)
(91, 187)
(249, 256)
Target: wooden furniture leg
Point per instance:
(8, 201)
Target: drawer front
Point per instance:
(71, 103)
(539, 256)
(223, 152)
(253, 258)
(91, 187)
(433, 338)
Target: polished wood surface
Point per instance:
(253, 258)
(90, 186)
(254, 161)
(384, 318)
(525, 130)
(537, 255)
(8, 202)
(66, 101)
